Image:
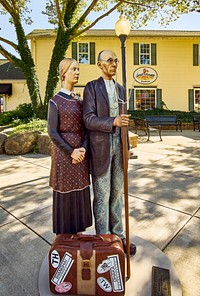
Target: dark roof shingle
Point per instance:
(9, 71)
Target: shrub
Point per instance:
(7, 117)
(33, 125)
(183, 116)
(24, 111)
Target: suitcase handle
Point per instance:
(88, 237)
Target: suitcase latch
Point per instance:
(86, 264)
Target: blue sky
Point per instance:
(190, 21)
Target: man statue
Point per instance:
(102, 105)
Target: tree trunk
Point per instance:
(59, 51)
(34, 91)
(27, 66)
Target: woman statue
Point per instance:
(69, 176)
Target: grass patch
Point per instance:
(35, 124)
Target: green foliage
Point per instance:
(18, 14)
(36, 148)
(7, 117)
(35, 124)
(22, 112)
(41, 112)
(140, 12)
(21, 6)
(183, 116)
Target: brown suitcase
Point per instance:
(87, 265)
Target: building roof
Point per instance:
(51, 33)
(8, 71)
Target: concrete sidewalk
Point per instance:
(164, 191)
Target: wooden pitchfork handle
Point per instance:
(124, 131)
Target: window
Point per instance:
(84, 52)
(197, 100)
(145, 53)
(1, 104)
(145, 98)
(194, 99)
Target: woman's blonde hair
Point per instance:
(64, 66)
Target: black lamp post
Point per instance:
(122, 29)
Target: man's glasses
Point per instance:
(111, 61)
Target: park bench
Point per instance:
(141, 124)
(163, 121)
(196, 122)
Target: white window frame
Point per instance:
(141, 54)
(79, 53)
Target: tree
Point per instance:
(25, 62)
(70, 18)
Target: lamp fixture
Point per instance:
(122, 26)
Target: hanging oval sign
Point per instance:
(145, 75)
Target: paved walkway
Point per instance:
(164, 190)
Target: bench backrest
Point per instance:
(161, 118)
(196, 117)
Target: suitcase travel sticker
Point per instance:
(112, 264)
(108, 274)
(62, 269)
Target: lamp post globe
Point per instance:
(122, 26)
(122, 29)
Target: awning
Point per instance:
(6, 89)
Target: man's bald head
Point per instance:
(107, 62)
(105, 52)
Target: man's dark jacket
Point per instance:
(99, 124)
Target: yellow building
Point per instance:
(161, 66)
(13, 88)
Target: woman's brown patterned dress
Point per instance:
(70, 182)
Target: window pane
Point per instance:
(83, 53)
(83, 47)
(145, 99)
(83, 58)
(144, 60)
